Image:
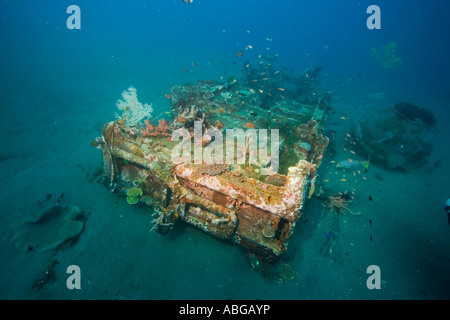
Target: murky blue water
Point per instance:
(59, 86)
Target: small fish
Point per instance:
(343, 179)
(343, 118)
(250, 125)
(219, 124)
(239, 54)
(185, 70)
(193, 64)
(281, 89)
(349, 163)
(168, 96)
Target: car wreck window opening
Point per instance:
(168, 197)
(186, 208)
(280, 228)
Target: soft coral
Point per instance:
(159, 130)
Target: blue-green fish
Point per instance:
(347, 164)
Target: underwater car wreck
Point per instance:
(235, 202)
(399, 138)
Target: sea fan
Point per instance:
(132, 110)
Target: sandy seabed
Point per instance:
(403, 229)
